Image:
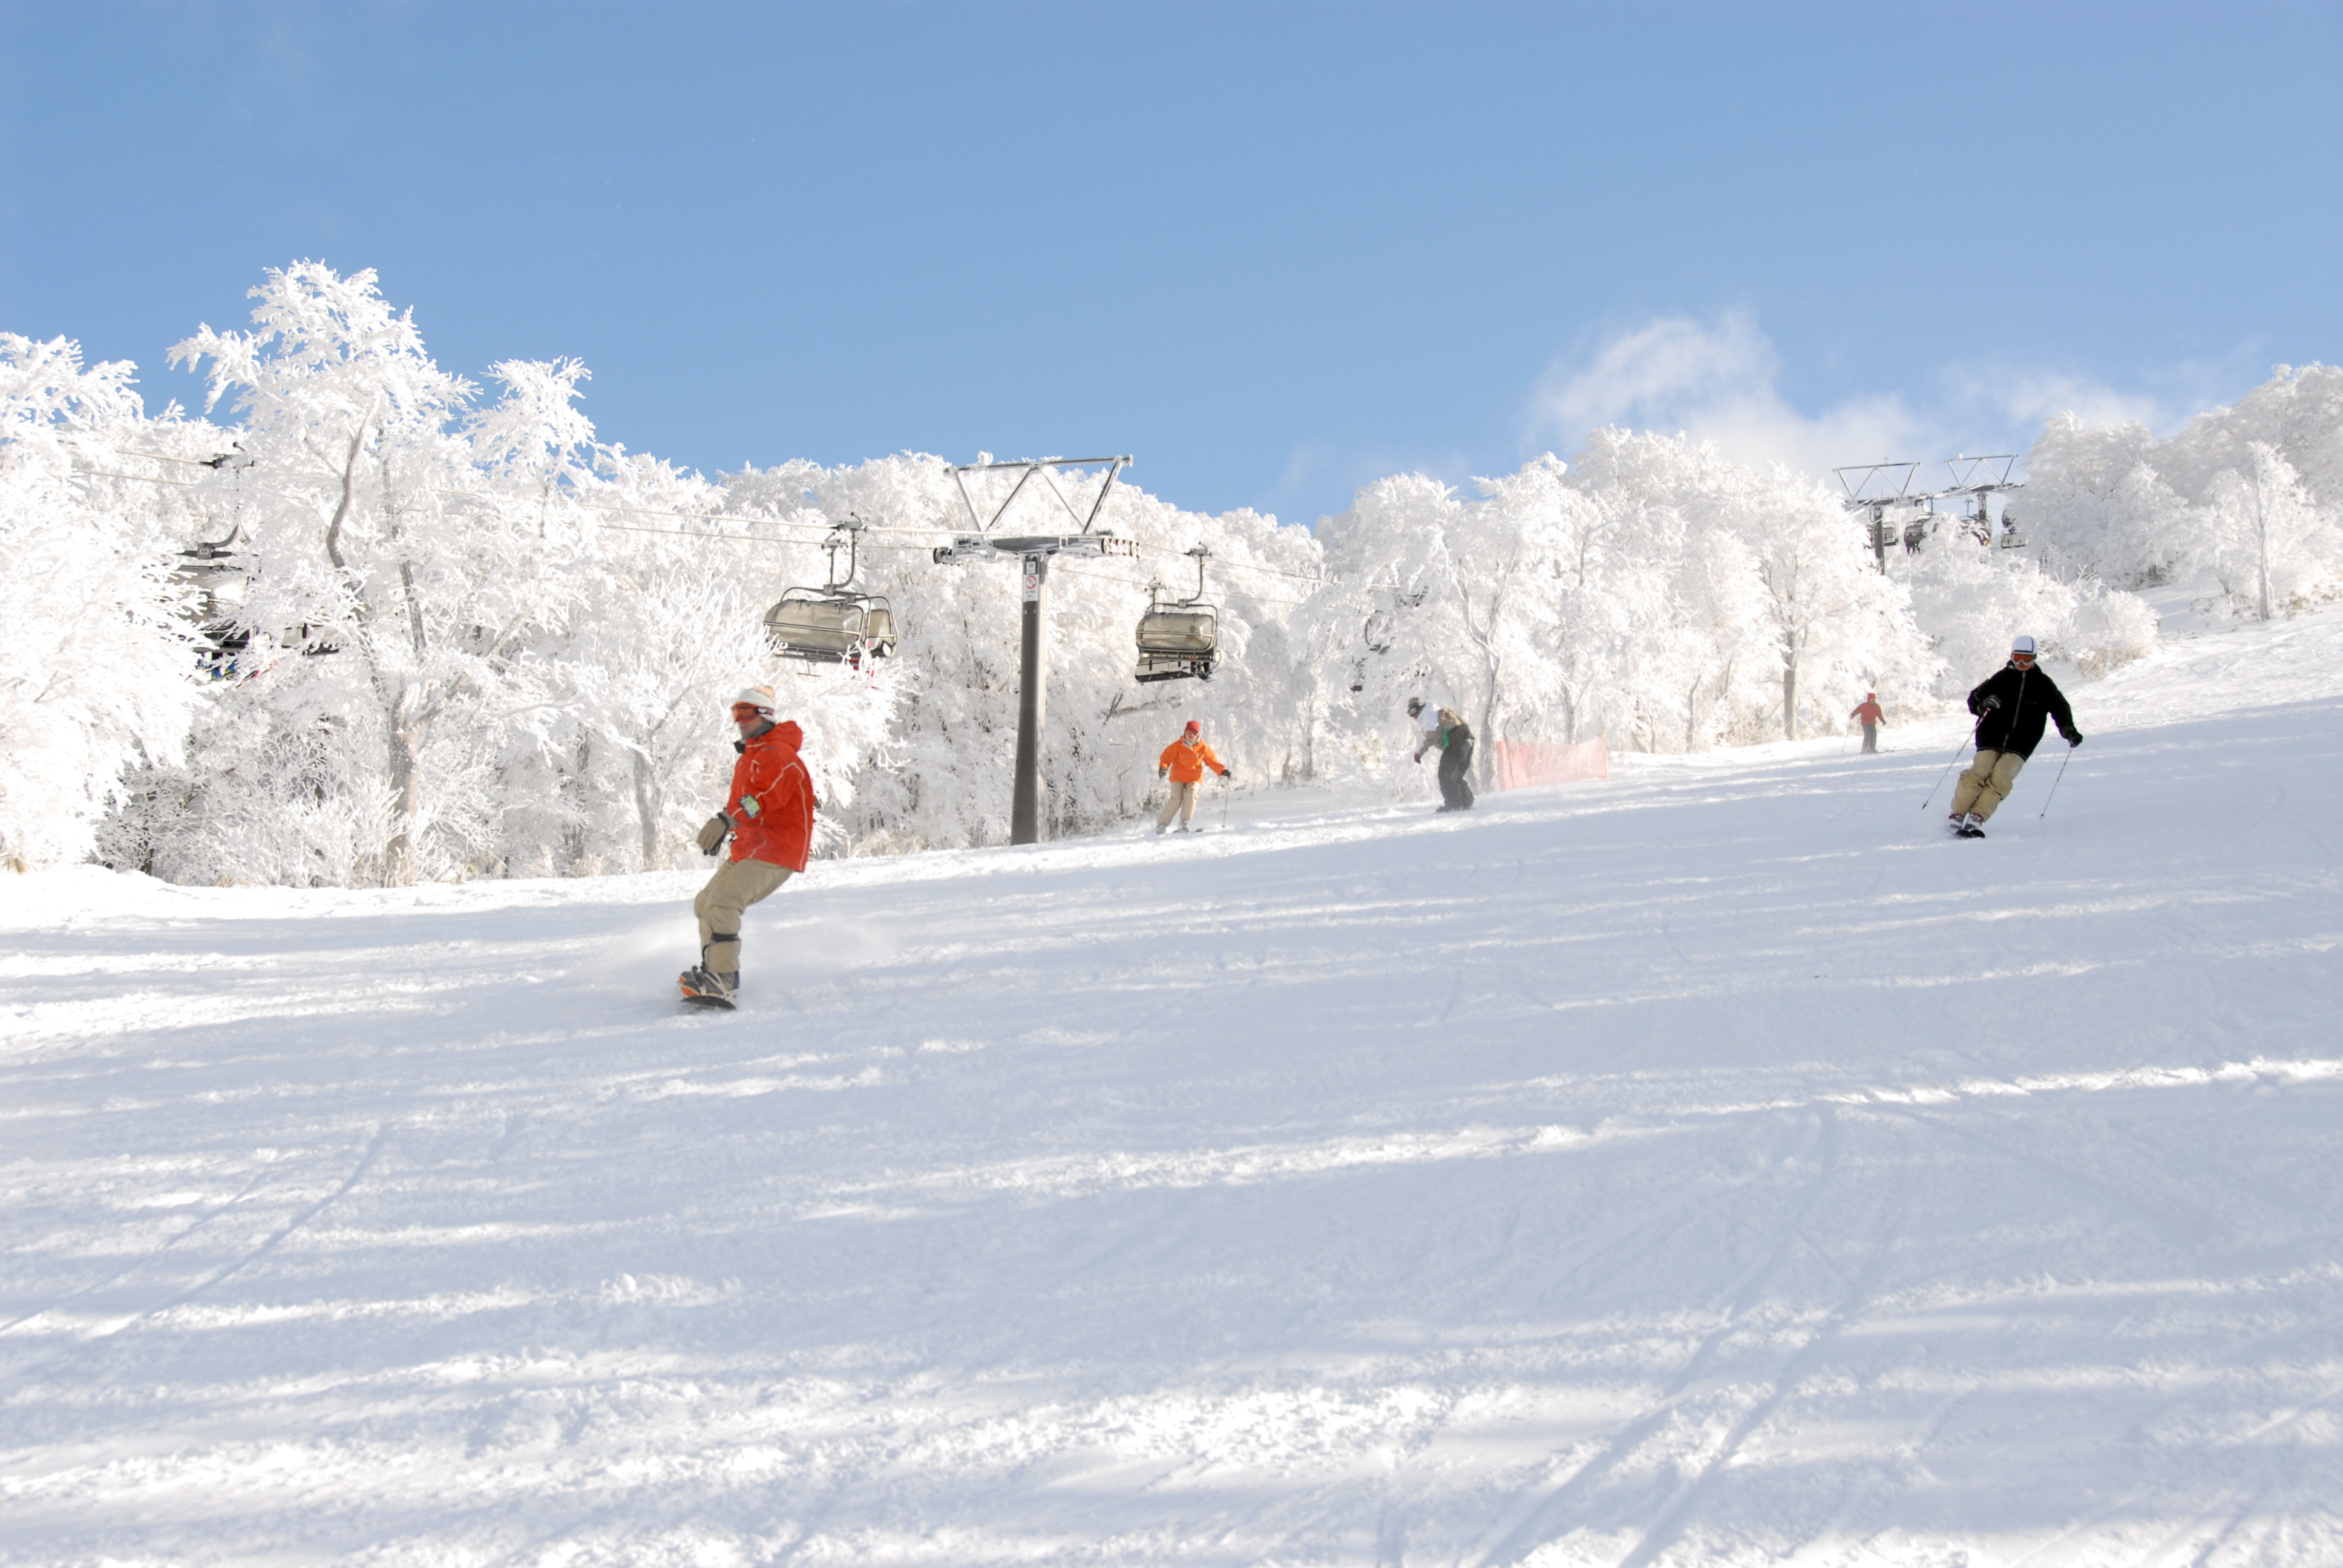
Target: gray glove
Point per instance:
(712, 835)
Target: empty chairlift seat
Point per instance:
(1178, 640)
(830, 628)
(833, 624)
(1181, 637)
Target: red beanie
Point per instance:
(1194, 727)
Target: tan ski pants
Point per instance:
(1986, 783)
(736, 885)
(1182, 804)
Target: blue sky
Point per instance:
(1272, 250)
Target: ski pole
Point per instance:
(1940, 784)
(2054, 782)
(1228, 790)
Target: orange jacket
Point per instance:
(1868, 713)
(780, 830)
(1189, 761)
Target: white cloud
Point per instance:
(1718, 381)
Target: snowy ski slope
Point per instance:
(1714, 1165)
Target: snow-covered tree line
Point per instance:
(464, 636)
(2250, 495)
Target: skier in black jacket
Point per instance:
(2012, 706)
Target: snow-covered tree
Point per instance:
(97, 671)
(2269, 541)
(2252, 493)
(2095, 505)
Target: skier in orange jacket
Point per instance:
(1183, 762)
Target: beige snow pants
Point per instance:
(736, 885)
(1986, 783)
(1182, 803)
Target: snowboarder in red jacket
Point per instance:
(770, 818)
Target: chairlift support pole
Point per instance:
(1869, 494)
(1033, 552)
(1033, 703)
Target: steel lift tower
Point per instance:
(1035, 550)
(1867, 487)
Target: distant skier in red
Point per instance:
(770, 820)
(1869, 714)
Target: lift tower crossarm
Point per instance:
(1028, 467)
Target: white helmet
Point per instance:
(760, 697)
(2021, 643)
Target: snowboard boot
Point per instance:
(706, 988)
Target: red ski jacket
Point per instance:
(773, 801)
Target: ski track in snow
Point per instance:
(1712, 1165)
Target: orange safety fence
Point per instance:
(1522, 763)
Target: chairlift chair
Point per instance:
(218, 578)
(1181, 637)
(212, 569)
(1380, 629)
(832, 624)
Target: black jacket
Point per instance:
(2026, 697)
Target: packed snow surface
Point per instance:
(1717, 1164)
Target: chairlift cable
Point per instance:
(740, 538)
(139, 478)
(1135, 583)
(163, 457)
(755, 539)
(930, 533)
(1274, 571)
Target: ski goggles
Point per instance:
(746, 712)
